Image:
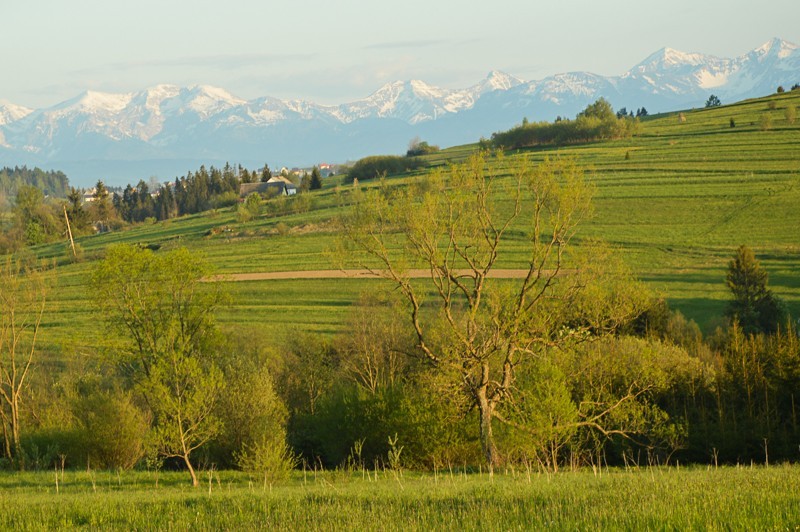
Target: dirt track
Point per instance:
(351, 274)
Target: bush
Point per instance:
(253, 434)
(418, 148)
(111, 430)
(269, 457)
(226, 199)
(427, 426)
(381, 165)
(790, 113)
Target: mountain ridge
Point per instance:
(208, 124)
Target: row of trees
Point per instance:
(51, 183)
(38, 218)
(640, 113)
(380, 166)
(196, 192)
(170, 386)
(597, 122)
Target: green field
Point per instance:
(730, 498)
(676, 201)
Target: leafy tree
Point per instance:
(754, 306)
(483, 332)
(623, 112)
(418, 147)
(32, 216)
(158, 302)
(599, 109)
(641, 112)
(713, 101)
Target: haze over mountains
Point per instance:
(167, 130)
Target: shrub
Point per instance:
(111, 430)
(418, 148)
(381, 165)
(269, 457)
(790, 113)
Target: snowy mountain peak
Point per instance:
(670, 58)
(497, 80)
(10, 112)
(215, 93)
(776, 48)
(94, 101)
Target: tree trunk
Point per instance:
(15, 429)
(191, 470)
(6, 440)
(486, 411)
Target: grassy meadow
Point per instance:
(675, 201)
(730, 498)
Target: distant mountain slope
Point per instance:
(167, 129)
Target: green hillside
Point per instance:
(676, 200)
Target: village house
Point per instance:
(277, 185)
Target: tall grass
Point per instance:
(744, 498)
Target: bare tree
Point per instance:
(477, 330)
(23, 294)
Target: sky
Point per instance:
(335, 52)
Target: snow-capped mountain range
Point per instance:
(167, 130)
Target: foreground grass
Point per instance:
(755, 498)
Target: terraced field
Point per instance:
(675, 201)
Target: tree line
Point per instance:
(39, 208)
(51, 183)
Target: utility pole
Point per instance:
(69, 232)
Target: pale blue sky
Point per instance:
(334, 52)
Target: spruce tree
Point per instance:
(316, 179)
(754, 306)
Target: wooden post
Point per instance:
(69, 232)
